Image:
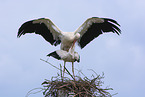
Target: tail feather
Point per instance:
(55, 55)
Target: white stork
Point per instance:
(66, 57)
(89, 30)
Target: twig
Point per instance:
(31, 91)
(52, 65)
(69, 73)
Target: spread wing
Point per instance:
(95, 26)
(43, 27)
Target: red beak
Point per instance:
(73, 43)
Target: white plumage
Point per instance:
(65, 56)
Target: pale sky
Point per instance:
(121, 58)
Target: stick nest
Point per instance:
(80, 87)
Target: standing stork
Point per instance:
(89, 30)
(66, 57)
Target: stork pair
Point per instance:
(89, 30)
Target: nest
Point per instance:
(60, 86)
(79, 87)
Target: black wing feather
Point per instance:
(38, 28)
(55, 55)
(109, 25)
(90, 35)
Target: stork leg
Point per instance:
(63, 70)
(73, 70)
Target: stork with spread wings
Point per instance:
(89, 30)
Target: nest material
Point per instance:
(80, 87)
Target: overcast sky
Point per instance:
(121, 58)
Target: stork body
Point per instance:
(66, 57)
(68, 40)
